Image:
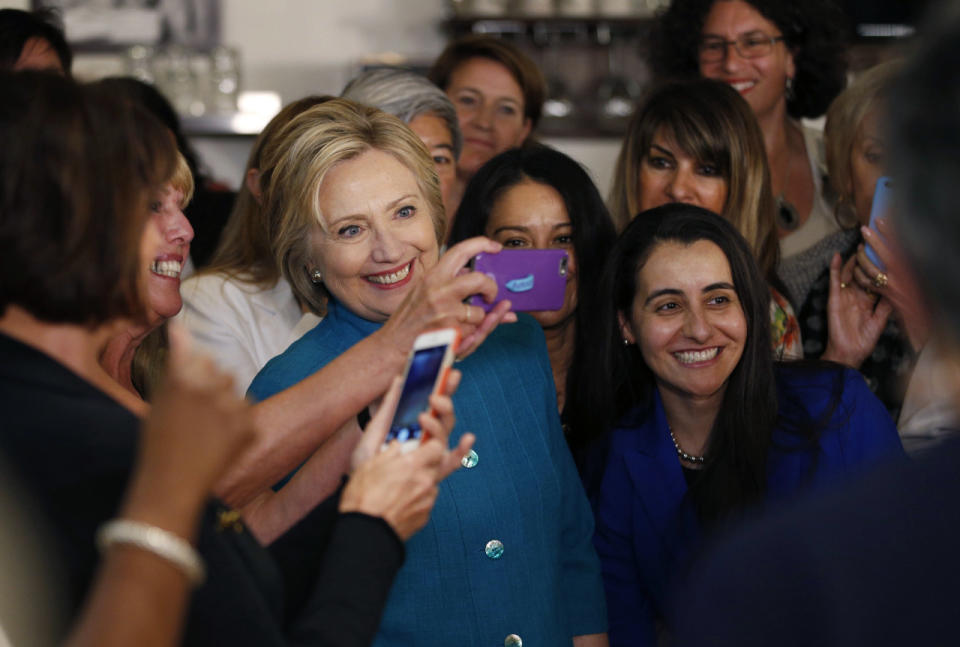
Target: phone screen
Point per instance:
(414, 399)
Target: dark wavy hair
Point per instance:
(612, 379)
(593, 230)
(77, 170)
(17, 27)
(814, 30)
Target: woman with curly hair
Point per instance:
(786, 59)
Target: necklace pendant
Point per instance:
(787, 217)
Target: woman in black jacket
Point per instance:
(79, 169)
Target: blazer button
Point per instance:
(513, 640)
(494, 549)
(470, 460)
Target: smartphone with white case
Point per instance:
(425, 374)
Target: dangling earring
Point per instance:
(316, 277)
(789, 90)
(845, 213)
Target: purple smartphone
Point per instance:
(532, 279)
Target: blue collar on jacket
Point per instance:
(340, 314)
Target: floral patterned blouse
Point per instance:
(784, 328)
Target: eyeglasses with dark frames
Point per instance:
(713, 49)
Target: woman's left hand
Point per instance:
(896, 283)
(855, 319)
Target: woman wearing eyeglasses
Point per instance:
(786, 59)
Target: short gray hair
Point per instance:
(406, 95)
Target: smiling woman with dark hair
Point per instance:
(695, 424)
(537, 197)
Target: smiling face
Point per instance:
(490, 106)
(762, 80)
(436, 136)
(164, 248)
(669, 174)
(687, 320)
(867, 158)
(532, 215)
(376, 238)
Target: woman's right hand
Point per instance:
(437, 301)
(402, 487)
(855, 319)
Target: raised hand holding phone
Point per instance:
(532, 279)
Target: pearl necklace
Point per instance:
(690, 458)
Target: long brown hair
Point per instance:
(710, 122)
(78, 168)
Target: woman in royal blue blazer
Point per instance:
(704, 424)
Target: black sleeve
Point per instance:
(299, 552)
(362, 557)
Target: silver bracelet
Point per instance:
(158, 541)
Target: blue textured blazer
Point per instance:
(524, 492)
(647, 531)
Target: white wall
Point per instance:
(299, 47)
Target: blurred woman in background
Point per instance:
(885, 355)
(498, 92)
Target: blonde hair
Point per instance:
(245, 250)
(844, 117)
(182, 180)
(306, 150)
(710, 122)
